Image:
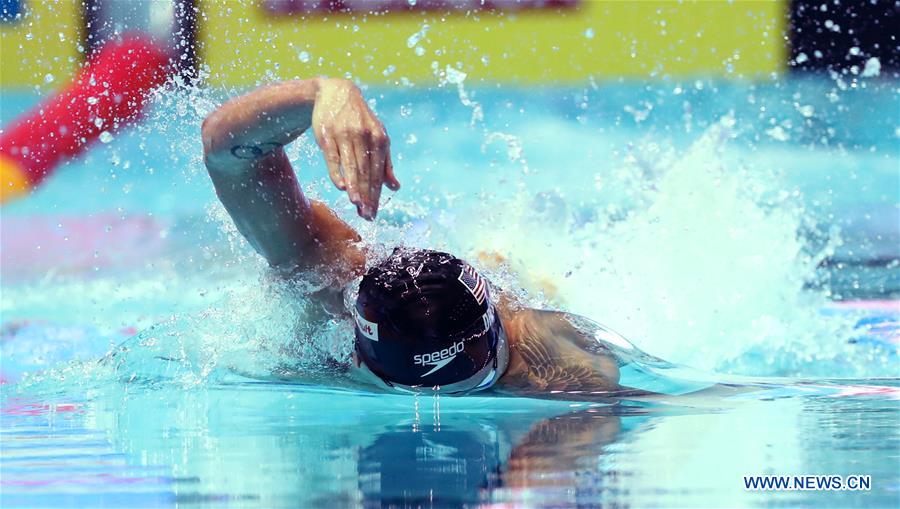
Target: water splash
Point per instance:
(514, 151)
(696, 267)
(266, 330)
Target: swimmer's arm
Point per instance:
(551, 356)
(243, 150)
(548, 445)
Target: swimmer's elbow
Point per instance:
(207, 130)
(215, 156)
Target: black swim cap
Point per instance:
(425, 318)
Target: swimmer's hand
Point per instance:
(355, 144)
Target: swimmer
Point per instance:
(424, 320)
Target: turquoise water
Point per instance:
(744, 230)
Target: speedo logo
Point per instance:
(438, 359)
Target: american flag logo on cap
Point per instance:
(474, 282)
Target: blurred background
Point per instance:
(496, 41)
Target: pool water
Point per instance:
(749, 231)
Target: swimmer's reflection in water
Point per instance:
(424, 320)
(456, 466)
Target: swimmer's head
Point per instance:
(424, 319)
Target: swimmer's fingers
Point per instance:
(332, 158)
(348, 162)
(362, 143)
(379, 158)
(376, 176)
(392, 182)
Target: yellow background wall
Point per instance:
(45, 41)
(630, 39)
(240, 42)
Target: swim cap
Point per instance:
(425, 318)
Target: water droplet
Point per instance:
(304, 56)
(92, 100)
(455, 76)
(589, 33)
(778, 133)
(98, 122)
(801, 58)
(414, 39)
(806, 110)
(389, 70)
(49, 78)
(105, 137)
(29, 36)
(420, 51)
(872, 68)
